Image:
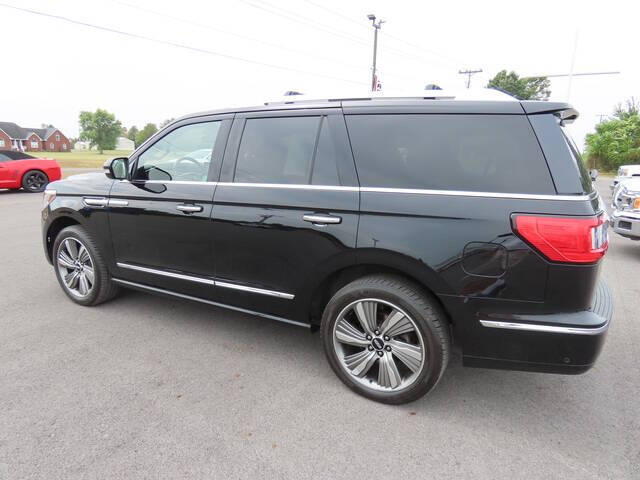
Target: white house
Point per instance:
(123, 143)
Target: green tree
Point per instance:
(616, 141)
(167, 122)
(131, 134)
(523, 88)
(100, 129)
(148, 130)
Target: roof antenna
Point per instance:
(290, 93)
(432, 86)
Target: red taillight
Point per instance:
(564, 239)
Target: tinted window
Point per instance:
(183, 154)
(10, 155)
(4, 158)
(277, 150)
(325, 169)
(585, 179)
(494, 153)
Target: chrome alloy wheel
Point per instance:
(378, 345)
(75, 267)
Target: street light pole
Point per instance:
(376, 27)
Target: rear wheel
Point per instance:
(34, 181)
(80, 268)
(386, 338)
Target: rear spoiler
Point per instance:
(562, 110)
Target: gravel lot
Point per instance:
(147, 387)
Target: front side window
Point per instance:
(482, 153)
(183, 154)
(4, 158)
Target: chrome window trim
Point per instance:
(294, 186)
(462, 193)
(165, 273)
(208, 302)
(545, 328)
(414, 191)
(208, 281)
(261, 291)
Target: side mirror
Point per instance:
(593, 173)
(116, 168)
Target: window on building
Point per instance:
(34, 144)
(64, 146)
(2, 142)
(51, 146)
(57, 138)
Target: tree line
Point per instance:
(101, 129)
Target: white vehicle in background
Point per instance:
(625, 219)
(625, 172)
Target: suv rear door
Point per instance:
(285, 209)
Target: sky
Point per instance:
(176, 58)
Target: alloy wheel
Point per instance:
(379, 345)
(35, 181)
(75, 267)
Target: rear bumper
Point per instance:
(557, 343)
(626, 223)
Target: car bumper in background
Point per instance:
(555, 343)
(626, 224)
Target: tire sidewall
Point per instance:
(78, 234)
(432, 369)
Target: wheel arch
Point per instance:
(389, 263)
(56, 226)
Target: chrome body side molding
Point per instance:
(208, 281)
(545, 328)
(141, 286)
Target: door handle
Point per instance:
(322, 219)
(189, 208)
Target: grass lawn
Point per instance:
(84, 158)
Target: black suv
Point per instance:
(394, 226)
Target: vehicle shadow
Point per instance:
(495, 390)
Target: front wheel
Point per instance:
(80, 268)
(34, 181)
(386, 338)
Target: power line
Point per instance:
(175, 44)
(237, 35)
(393, 37)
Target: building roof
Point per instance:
(22, 133)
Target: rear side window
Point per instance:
(485, 153)
(287, 150)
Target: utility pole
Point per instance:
(376, 27)
(468, 73)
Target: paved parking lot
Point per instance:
(149, 387)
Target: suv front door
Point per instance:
(285, 210)
(160, 217)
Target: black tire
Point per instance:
(427, 316)
(35, 181)
(103, 288)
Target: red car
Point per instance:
(19, 170)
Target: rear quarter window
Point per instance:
(485, 153)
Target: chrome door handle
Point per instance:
(95, 201)
(322, 219)
(189, 208)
